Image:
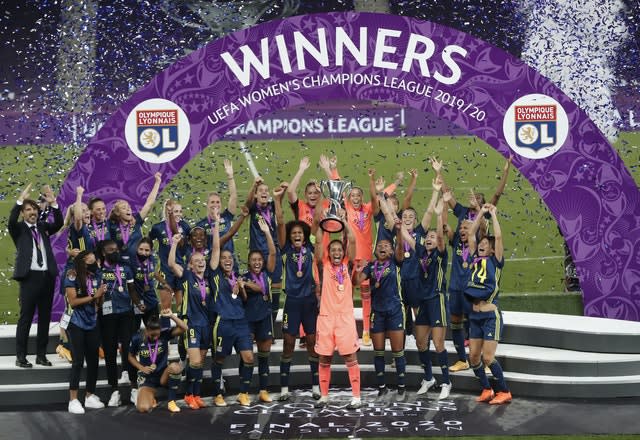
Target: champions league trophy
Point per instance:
(333, 191)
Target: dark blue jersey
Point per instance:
(226, 221)
(410, 268)
(433, 267)
(383, 233)
(98, 232)
(151, 352)
(459, 273)
(298, 280)
(386, 293)
(228, 305)
(117, 278)
(80, 239)
(160, 232)
(83, 316)
(257, 240)
(143, 280)
(126, 235)
(258, 305)
(197, 299)
(484, 279)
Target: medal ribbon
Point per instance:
(125, 232)
(145, 270)
(203, 289)
(99, 232)
(168, 231)
(232, 280)
(338, 274)
(259, 281)
(153, 354)
(89, 286)
(477, 259)
(118, 275)
(406, 246)
(378, 273)
(465, 252)
(266, 214)
(300, 256)
(361, 219)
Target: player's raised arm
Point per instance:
(251, 197)
(426, 218)
(151, 198)
(177, 269)
(232, 205)
(439, 209)
(498, 247)
(375, 208)
(503, 182)
(472, 242)
(214, 262)
(406, 202)
(278, 194)
(293, 186)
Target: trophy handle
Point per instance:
(347, 188)
(324, 186)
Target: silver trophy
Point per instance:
(333, 190)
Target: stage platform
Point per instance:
(543, 355)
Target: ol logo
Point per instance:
(157, 130)
(535, 126)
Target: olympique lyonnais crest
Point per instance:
(535, 126)
(157, 130)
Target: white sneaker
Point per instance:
(445, 390)
(322, 402)
(124, 377)
(355, 403)
(93, 402)
(425, 385)
(222, 388)
(114, 400)
(315, 392)
(284, 394)
(75, 407)
(134, 396)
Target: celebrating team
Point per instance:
(112, 284)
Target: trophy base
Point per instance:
(331, 225)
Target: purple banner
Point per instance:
(428, 67)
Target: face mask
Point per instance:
(113, 258)
(143, 257)
(93, 267)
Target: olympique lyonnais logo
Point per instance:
(157, 130)
(535, 126)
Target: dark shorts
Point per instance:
(150, 380)
(433, 312)
(171, 280)
(230, 334)
(388, 320)
(412, 292)
(198, 337)
(458, 305)
(263, 329)
(300, 311)
(487, 326)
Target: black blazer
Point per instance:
(21, 235)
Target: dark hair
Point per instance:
(145, 239)
(153, 323)
(254, 251)
(93, 201)
(31, 203)
(492, 241)
(81, 271)
(336, 240)
(100, 248)
(306, 229)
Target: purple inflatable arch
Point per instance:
(419, 64)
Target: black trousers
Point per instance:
(36, 291)
(117, 328)
(84, 345)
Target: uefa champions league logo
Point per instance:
(157, 130)
(535, 126)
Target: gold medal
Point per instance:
(204, 303)
(377, 285)
(120, 289)
(234, 295)
(153, 367)
(341, 287)
(299, 274)
(465, 265)
(407, 254)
